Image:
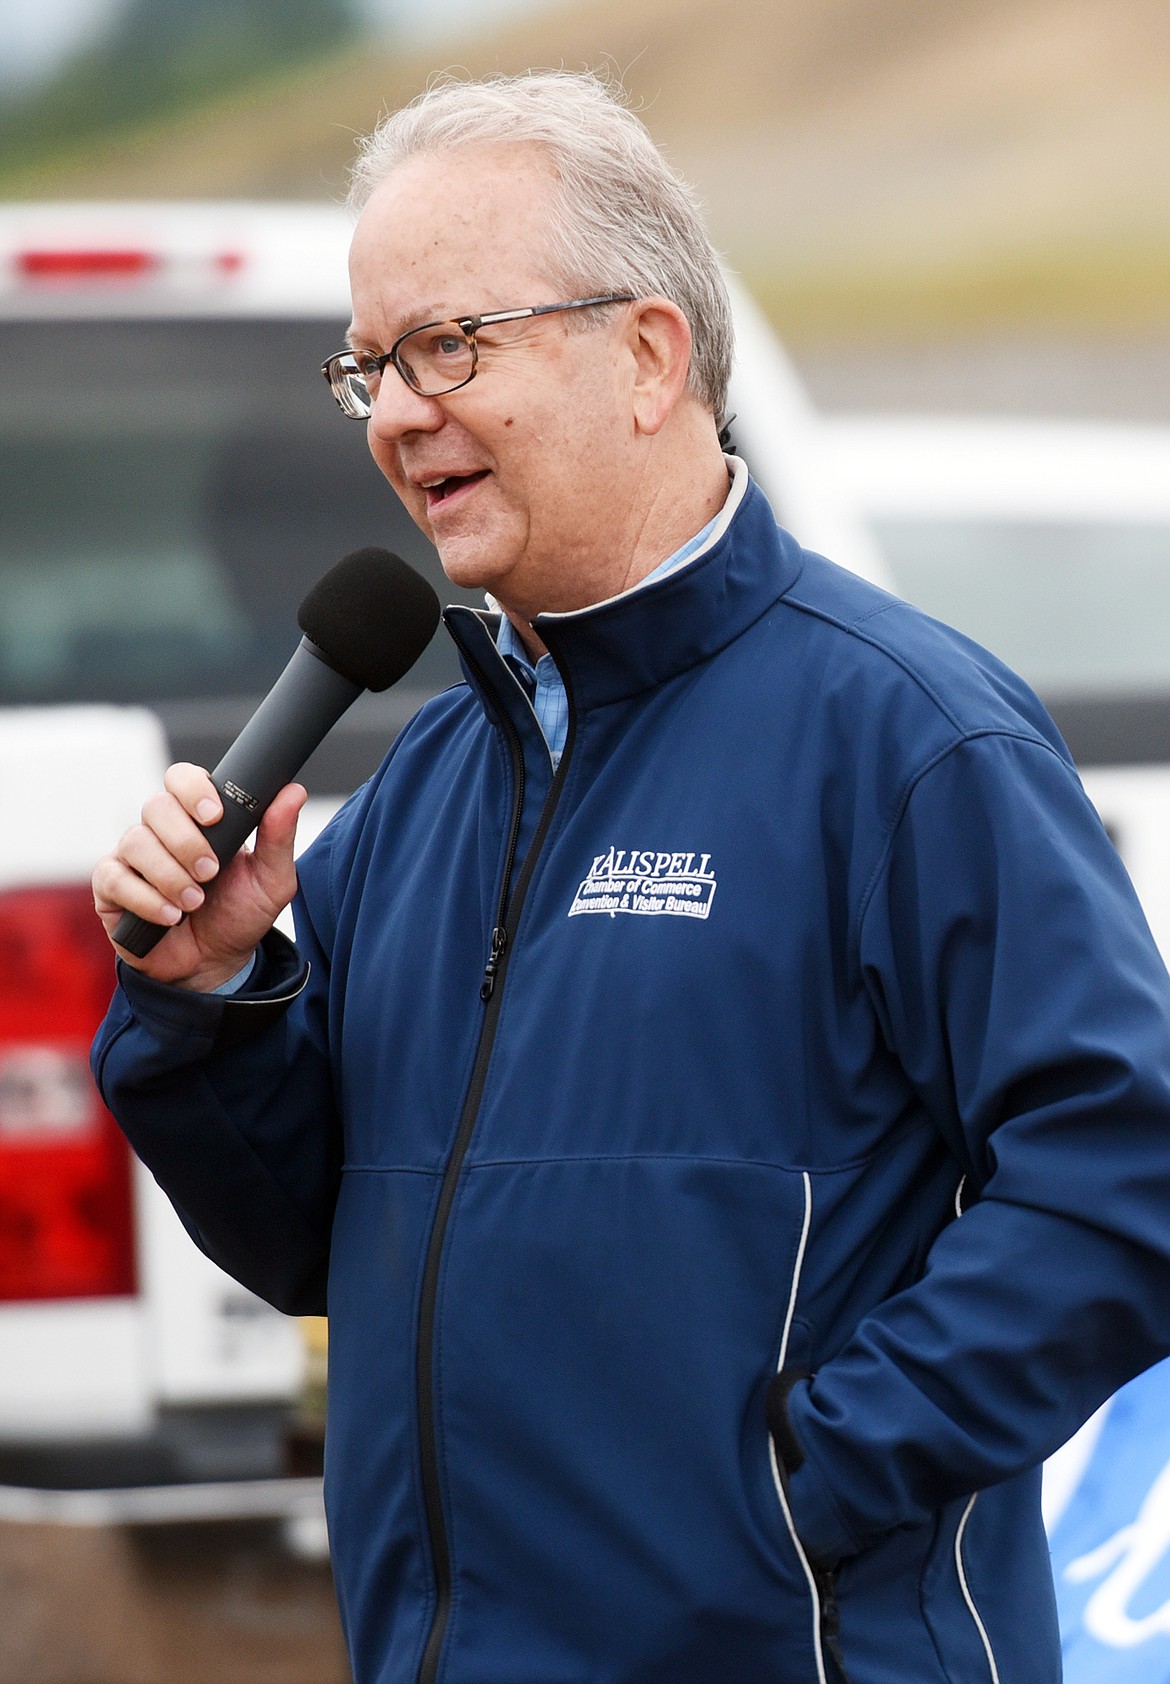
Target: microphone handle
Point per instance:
(307, 699)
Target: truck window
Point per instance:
(1077, 608)
(168, 492)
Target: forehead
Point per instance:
(463, 230)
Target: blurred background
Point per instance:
(954, 222)
(961, 206)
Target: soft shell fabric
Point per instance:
(815, 942)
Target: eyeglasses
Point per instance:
(434, 359)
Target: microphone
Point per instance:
(366, 622)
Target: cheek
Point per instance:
(383, 455)
(412, 499)
(388, 465)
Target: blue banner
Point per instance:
(1111, 1545)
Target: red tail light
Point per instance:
(66, 1228)
(88, 265)
(61, 268)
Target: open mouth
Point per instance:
(445, 489)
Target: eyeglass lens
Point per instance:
(351, 390)
(436, 359)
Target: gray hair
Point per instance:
(623, 220)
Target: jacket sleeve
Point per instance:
(230, 1104)
(1015, 979)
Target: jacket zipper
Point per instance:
(830, 1619)
(507, 916)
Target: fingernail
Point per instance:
(205, 868)
(190, 899)
(169, 914)
(207, 810)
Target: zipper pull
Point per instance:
(499, 942)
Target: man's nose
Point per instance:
(397, 408)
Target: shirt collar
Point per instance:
(650, 635)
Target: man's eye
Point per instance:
(447, 345)
(367, 365)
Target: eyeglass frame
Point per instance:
(469, 326)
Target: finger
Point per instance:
(166, 818)
(150, 858)
(193, 789)
(117, 888)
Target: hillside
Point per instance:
(914, 165)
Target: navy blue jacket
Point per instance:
(805, 1021)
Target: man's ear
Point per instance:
(660, 342)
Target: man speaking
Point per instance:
(721, 1088)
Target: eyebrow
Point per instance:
(433, 313)
(352, 339)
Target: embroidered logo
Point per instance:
(647, 883)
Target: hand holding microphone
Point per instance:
(365, 624)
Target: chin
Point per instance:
(474, 572)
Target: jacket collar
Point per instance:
(657, 631)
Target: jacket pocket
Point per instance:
(785, 1456)
(950, 1605)
(820, 1578)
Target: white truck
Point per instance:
(173, 475)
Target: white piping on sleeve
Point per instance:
(818, 1648)
(968, 1598)
(960, 1568)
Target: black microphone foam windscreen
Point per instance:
(371, 616)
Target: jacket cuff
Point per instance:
(823, 1533)
(279, 975)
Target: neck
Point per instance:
(660, 513)
(526, 635)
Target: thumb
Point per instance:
(272, 853)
